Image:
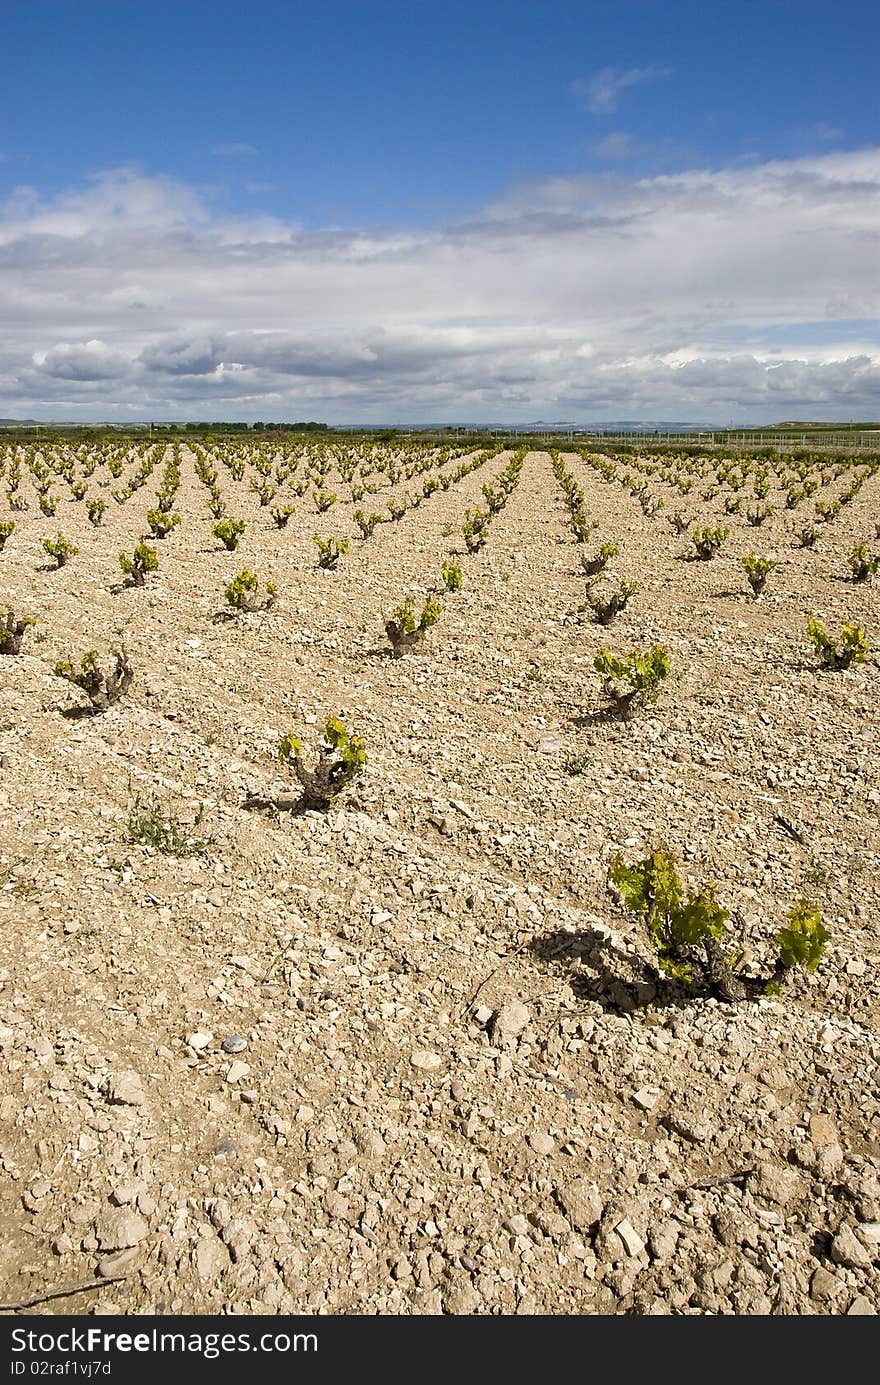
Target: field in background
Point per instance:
(461, 1085)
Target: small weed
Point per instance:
(578, 764)
(150, 825)
(815, 874)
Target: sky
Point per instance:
(495, 212)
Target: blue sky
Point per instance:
(402, 212)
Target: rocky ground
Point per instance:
(409, 1056)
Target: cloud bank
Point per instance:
(601, 93)
(746, 293)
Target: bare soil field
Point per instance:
(410, 1054)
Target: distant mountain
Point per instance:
(626, 425)
(544, 426)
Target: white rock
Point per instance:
(861, 1307)
(237, 1071)
(125, 1193)
(869, 1233)
(425, 1061)
(847, 1250)
(117, 1230)
(238, 1235)
(582, 1203)
(112, 1265)
(632, 1241)
(370, 1144)
(517, 1225)
(646, 1098)
(198, 1040)
(541, 1143)
(777, 1182)
(126, 1089)
(210, 1258)
(510, 1021)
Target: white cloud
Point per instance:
(617, 145)
(702, 294)
(83, 360)
(601, 93)
(820, 133)
(236, 150)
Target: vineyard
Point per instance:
(438, 880)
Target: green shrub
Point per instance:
(680, 924)
(862, 564)
(494, 499)
(161, 523)
(323, 500)
(366, 523)
(853, 647)
(143, 560)
(404, 630)
(330, 551)
(634, 679)
(12, 631)
(474, 529)
(102, 689)
(708, 541)
(281, 515)
(95, 510)
(802, 943)
(598, 563)
(61, 549)
(264, 490)
(679, 522)
(242, 592)
(341, 758)
(229, 531)
(757, 571)
(605, 605)
(7, 527)
(807, 537)
(581, 526)
(452, 576)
